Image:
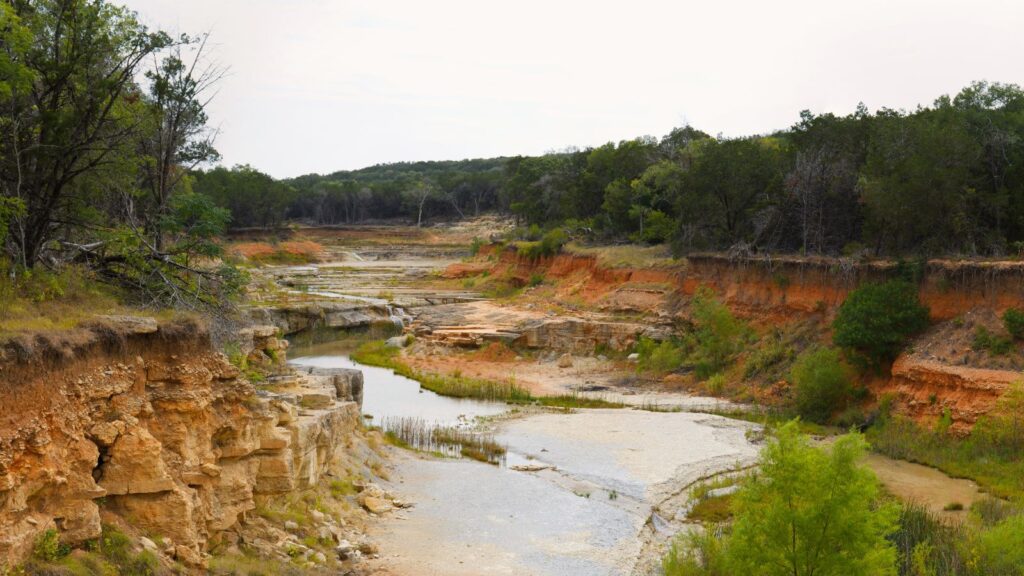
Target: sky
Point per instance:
(326, 85)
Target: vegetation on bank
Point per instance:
(809, 510)
(376, 353)
(112, 553)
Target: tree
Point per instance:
(78, 113)
(176, 138)
(811, 512)
(420, 193)
(876, 320)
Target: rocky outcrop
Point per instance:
(291, 319)
(926, 390)
(147, 423)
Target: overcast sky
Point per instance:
(324, 85)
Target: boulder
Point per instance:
(565, 361)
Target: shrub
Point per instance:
(475, 246)
(822, 383)
(665, 356)
(535, 280)
(1013, 320)
(549, 245)
(810, 510)
(876, 320)
(998, 551)
(719, 335)
(48, 547)
(992, 343)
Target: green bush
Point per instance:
(719, 335)
(876, 320)
(1013, 320)
(999, 551)
(822, 384)
(992, 343)
(475, 246)
(660, 357)
(549, 245)
(48, 547)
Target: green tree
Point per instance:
(77, 117)
(876, 320)
(811, 512)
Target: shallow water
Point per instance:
(388, 395)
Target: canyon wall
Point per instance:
(778, 290)
(145, 424)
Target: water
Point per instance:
(387, 395)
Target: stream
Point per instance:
(573, 496)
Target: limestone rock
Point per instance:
(565, 361)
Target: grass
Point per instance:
(998, 471)
(291, 252)
(457, 386)
(39, 300)
(112, 553)
(450, 441)
(625, 255)
(712, 510)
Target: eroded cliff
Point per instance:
(143, 423)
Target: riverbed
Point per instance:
(573, 496)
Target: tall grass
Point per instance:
(418, 434)
(993, 456)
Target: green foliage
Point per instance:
(659, 357)
(1013, 320)
(475, 246)
(876, 320)
(48, 547)
(550, 244)
(806, 510)
(998, 551)
(984, 340)
(536, 279)
(821, 382)
(718, 335)
(698, 554)
(811, 511)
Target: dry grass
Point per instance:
(40, 301)
(626, 255)
(289, 252)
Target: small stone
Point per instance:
(634, 357)
(318, 515)
(319, 558)
(291, 525)
(565, 361)
(148, 544)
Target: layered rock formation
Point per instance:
(147, 423)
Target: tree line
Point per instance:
(942, 179)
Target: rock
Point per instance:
(291, 525)
(397, 341)
(634, 357)
(602, 357)
(401, 504)
(319, 558)
(148, 544)
(375, 505)
(188, 556)
(565, 361)
(367, 548)
(532, 467)
(316, 401)
(318, 515)
(343, 550)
